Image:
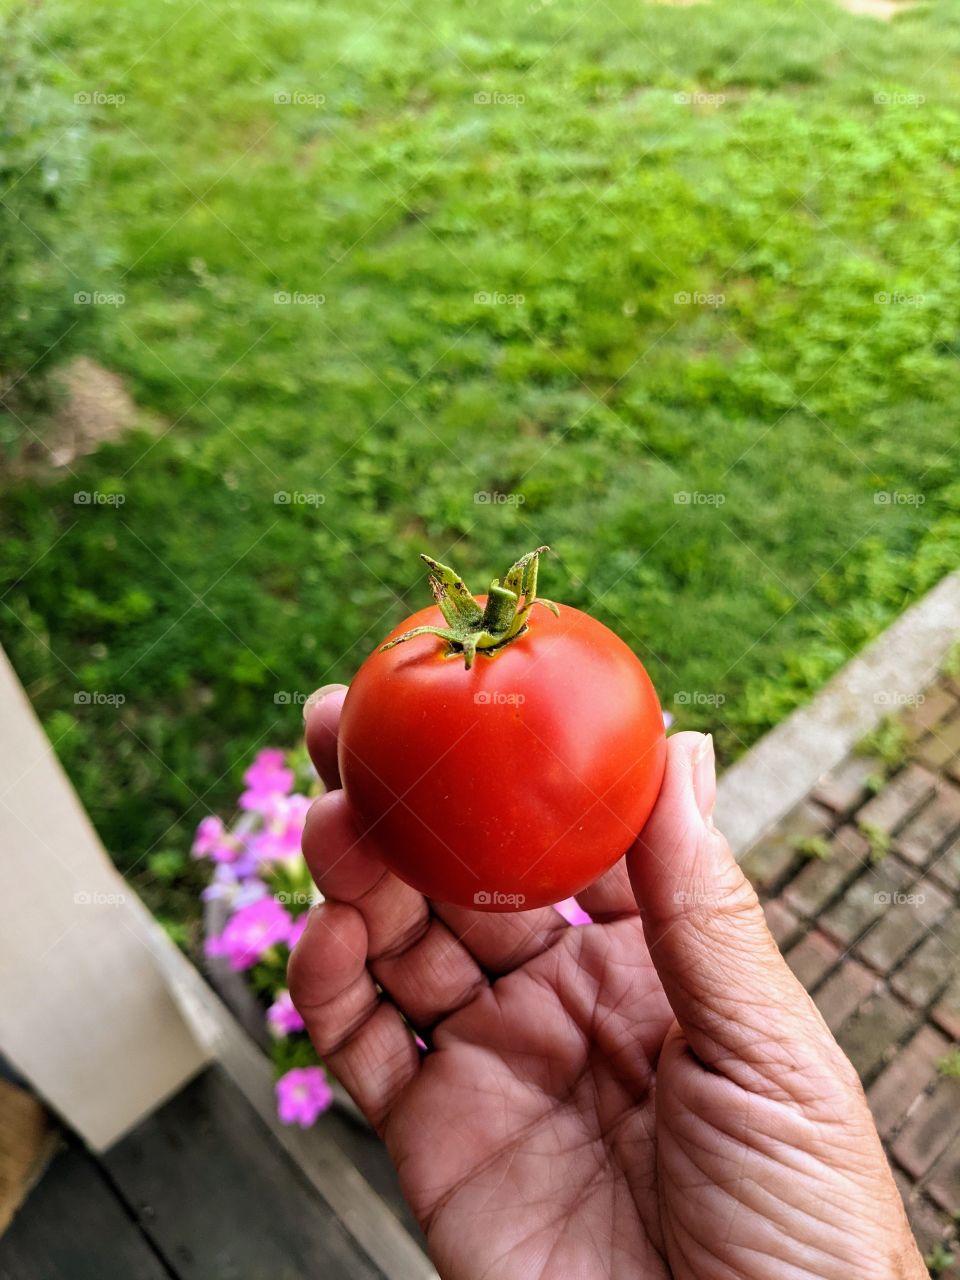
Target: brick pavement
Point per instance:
(872, 929)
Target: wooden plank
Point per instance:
(368, 1155)
(219, 1199)
(73, 1227)
(330, 1172)
(343, 1124)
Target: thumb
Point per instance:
(740, 1008)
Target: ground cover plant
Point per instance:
(674, 290)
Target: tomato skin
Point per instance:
(510, 785)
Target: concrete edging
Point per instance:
(776, 774)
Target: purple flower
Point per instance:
(572, 912)
(667, 719)
(236, 881)
(250, 932)
(282, 1017)
(266, 778)
(247, 890)
(301, 1095)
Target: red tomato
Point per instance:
(510, 784)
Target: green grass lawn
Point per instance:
(431, 157)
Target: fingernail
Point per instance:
(318, 696)
(704, 777)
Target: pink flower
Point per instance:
(296, 930)
(572, 912)
(282, 1017)
(301, 1095)
(250, 932)
(214, 842)
(267, 777)
(209, 833)
(667, 719)
(284, 817)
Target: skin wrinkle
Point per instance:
(475, 1171)
(804, 1271)
(838, 1258)
(598, 1183)
(404, 938)
(378, 1113)
(811, 1138)
(762, 1200)
(755, 1059)
(590, 1140)
(599, 1020)
(512, 958)
(359, 1020)
(633, 1256)
(740, 1175)
(772, 1199)
(781, 1145)
(400, 1162)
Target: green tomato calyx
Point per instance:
(474, 628)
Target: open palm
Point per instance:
(647, 1096)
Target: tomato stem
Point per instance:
(473, 628)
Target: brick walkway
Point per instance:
(861, 887)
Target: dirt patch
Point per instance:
(96, 407)
(90, 405)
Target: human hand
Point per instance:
(650, 1095)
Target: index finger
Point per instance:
(321, 716)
